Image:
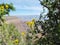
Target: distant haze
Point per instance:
(28, 17)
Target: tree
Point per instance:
(51, 26)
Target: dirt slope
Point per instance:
(19, 23)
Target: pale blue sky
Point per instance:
(25, 7)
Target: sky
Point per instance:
(25, 7)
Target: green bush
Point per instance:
(9, 35)
(51, 26)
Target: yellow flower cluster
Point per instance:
(31, 23)
(7, 6)
(16, 41)
(2, 8)
(23, 33)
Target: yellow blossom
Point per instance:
(31, 23)
(2, 8)
(16, 41)
(23, 33)
(7, 6)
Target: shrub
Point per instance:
(50, 26)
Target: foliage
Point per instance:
(31, 24)
(51, 26)
(9, 35)
(4, 10)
